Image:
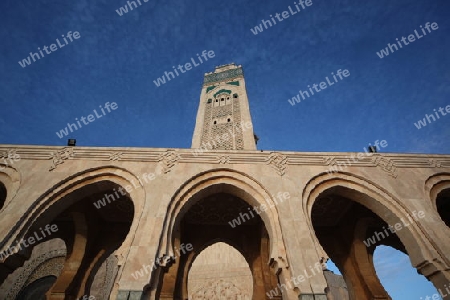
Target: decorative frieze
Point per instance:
(224, 159)
(222, 76)
(277, 161)
(168, 158)
(60, 156)
(115, 156)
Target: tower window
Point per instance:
(221, 99)
(235, 95)
(209, 100)
(215, 122)
(217, 100)
(229, 119)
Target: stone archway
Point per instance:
(46, 261)
(91, 232)
(10, 183)
(220, 183)
(438, 189)
(36, 289)
(355, 210)
(3, 195)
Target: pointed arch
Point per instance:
(73, 184)
(232, 182)
(10, 179)
(420, 248)
(436, 184)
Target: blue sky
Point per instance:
(117, 58)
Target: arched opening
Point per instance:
(349, 232)
(218, 215)
(92, 221)
(3, 194)
(46, 260)
(443, 205)
(37, 289)
(220, 272)
(391, 265)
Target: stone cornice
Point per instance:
(278, 160)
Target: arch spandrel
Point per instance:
(420, 248)
(232, 182)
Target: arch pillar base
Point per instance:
(439, 278)
(129, 295)
(312, 297)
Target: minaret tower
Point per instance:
(223, 117)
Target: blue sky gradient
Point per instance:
(117, 58)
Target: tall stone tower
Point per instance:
(223, 118)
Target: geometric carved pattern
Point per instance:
(217, 131)
(42, 263)
(239, 137)
(386, 165)
(60, 156)
(117, 211)
(215, 77)
(224, 159)
(168, 160)
(213, 132)
(328, 211)
(388, 162)
(375, 160)
(218, 209)
(218, 290)
(206, 123)
(221, 111)
(115, 156)
(8, 154)
(278, 162)
(222, 123)
(104, 278)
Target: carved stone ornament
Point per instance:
(60, 156)
(278, 162)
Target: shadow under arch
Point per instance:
(422, 251)
(437, 187)
(3, 195)
(10, 178)
(436, 184)
(232, 182)
(204, 185)
(80, 186)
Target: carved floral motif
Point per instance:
(220, 290)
